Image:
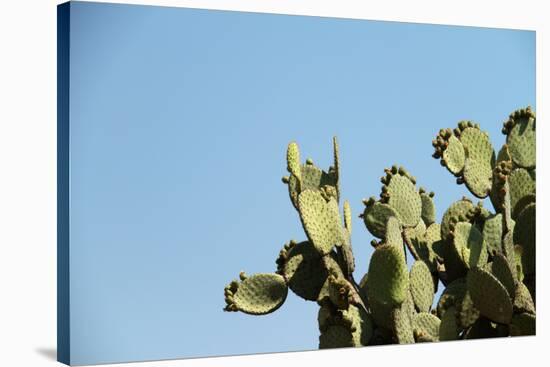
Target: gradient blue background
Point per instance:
(179, 123)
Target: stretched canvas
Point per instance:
(235, 183)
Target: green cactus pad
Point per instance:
(393, 233)
(476, 143)
(521, 185)
(312, 178)
(376, 217)
(448, 329)
(523, 302)
(501, 269)
(525, 236)
(469, 245)
(336, 152)
(293, 160)
(420, 241)
(402, 318)
(480, 158)
(523, 324)
(459, 209)
(388, 280)
(422, 286)
(478, 176)
(492, 233)
(428, 207)
(454, 156)
(400, 193)
(258, 294)
(521, 137)
(321, 223)
(489, 295)
(347, 217)
(304, 270)
(426, 323)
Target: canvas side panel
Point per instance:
(63, 216)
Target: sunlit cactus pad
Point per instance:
(482, 259)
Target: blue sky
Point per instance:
(179, 124)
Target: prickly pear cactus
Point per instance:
(485, 259)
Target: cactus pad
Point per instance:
(492, 233)
(478, 176)
(462, 210)
(422, 286)
(344, 328)
(523, 302)
(469, 245)
(490, 297)
(312, 178)
(293, 160)
(393, 233)
(336, 166)
(347, 217)
(521, 185)
(304, 270)
(467, 313)
(523, 324)
(448, 329)
(258, 294)
(428, 207)
(454, 156)
(452, 295)
(321, 223)
(388, 279)
(525, 236)
(376, 217)
(426, 323)
(402, 318)
(520, 130)
(400, 193)
(480, 158)
(501, 269)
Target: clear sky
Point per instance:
(179, 125)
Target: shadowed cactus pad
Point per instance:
(489, 296)
(258, 294)
(525, 236)
(304, 270)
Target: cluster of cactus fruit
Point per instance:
(485, 260)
